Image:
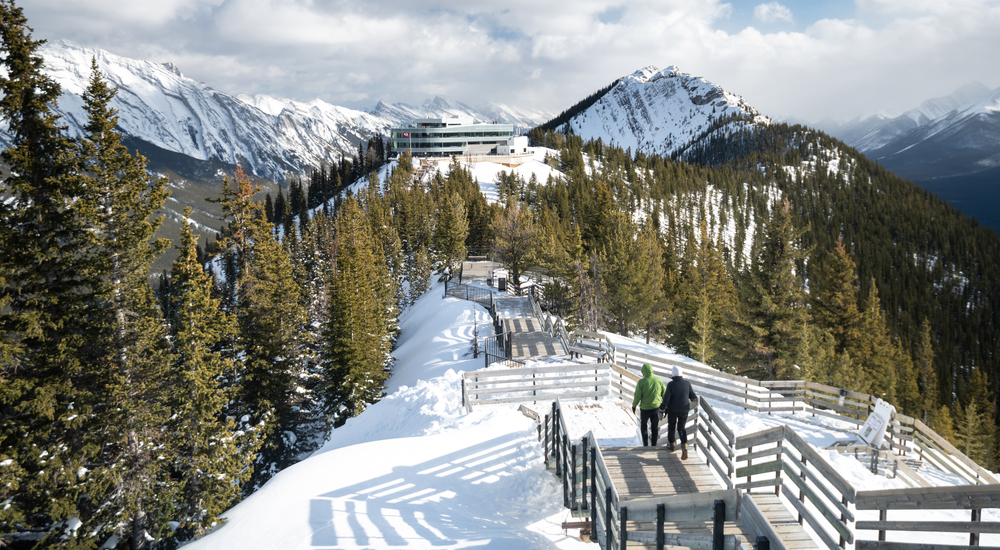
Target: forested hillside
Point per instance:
(787, 254)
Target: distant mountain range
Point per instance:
(195, 134)
(949, 145)
(164, 113)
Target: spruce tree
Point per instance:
(515, 241)
(214, 453)
(768, 338)
(270, 320)
(357, 343)
(127, 346)
(452, 230)
(48, 390)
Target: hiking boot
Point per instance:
(671, 446)
(684, 452)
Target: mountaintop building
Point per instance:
(457, 136)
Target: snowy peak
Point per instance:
(876, 131)
(659, 111)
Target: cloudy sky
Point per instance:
(807, 59)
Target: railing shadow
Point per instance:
(416, 506)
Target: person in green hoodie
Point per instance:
(648, 395)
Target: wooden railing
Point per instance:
(716, 442)
(588, 491)
(905, 435)
(776, 459)
(971, 498)
(534, 384)
(811, 478)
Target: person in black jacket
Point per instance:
(677, 404)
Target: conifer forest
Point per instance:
(135, 408)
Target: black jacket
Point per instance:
(678, 396)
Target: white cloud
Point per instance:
(546, 55)
(771, 12)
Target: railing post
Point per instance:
(802, 494)
(585, 473)
(719, 525)
(777, 475)
(607, 518)
(623, 533)
(555, 438)
(763, 543)
(661, 517)
(882, 514)
(843, 519)
(545, 442)
(977, 515)
(572, 475)
(565, 469)
(593, 491)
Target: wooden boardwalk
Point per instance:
(645, 472)
(528, 339)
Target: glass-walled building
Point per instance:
(443, 137)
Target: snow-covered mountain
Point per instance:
(658, 112)
(158, 105)
(402, 113)
(874, 131)
(962, 141)
(274, 137)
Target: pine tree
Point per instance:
(835, 299)
(452, 230)
(48, 390)
(214, 454)
(769, 328)
(356, 353)
(923, 359)
(127, 347)
(515, 242)
(270, 319)
(626, 274)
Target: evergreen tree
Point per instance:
(923, 358)
(629, 284)
(270, 319)
(452, 230)
(126, 347)
(835, 299)
(514, 243)
(769, 327)
(357, 343)
(43, 296)
(214, 454)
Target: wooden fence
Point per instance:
(905, 435)
(794, 469)
(971, 498)
(534, 384)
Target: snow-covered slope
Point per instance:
(659, 112)
(416, 471)
(402, 113)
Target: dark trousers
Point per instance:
(676, 422)
(651, 416)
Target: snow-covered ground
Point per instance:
(415, 470)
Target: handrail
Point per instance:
(714, 436)
(971, 497)
(809, 474)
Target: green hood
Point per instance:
(647, 370)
